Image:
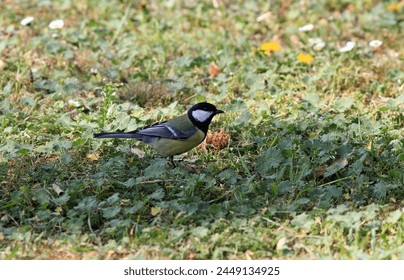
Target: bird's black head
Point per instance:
(201, 115)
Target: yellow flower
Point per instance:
(394, 7)
(270, 47)
(305, 58)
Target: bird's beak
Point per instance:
(218, 112)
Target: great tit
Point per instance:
(175, 136)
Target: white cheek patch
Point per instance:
(201, 115)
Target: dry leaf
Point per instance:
(319, 171)
(214, 70)
(155, 211)
(328, 170)
(215, 4)
(295, 40)
(264, 16)
(57, 189)
(249, 254)
(191, 256)
(280, 245)
(139, 153)
(93, 157)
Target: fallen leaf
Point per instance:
(214, 70)
(155, 211)
(280, 245)
(139, 153)
(249, 254)
(93, 157)
(191, 256)
(57, 189)
(319, 171)
(264, 16)
(328, 170)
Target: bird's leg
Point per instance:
(171, 159)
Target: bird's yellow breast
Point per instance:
(170, 147)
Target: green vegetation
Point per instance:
(315, 163)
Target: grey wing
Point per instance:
(165, 130)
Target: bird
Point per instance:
(175, 136)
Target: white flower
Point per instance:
(73, 103)
(348, 47)
(317, 43)
(27, 21)
(306, 27)
(375, 44)
(319, 46)
(56, 24)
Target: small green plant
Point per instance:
(108, 93)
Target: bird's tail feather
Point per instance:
(118, 135)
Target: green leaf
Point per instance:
(243, 119)
(394, 216)
(343, 104)
(340, 209)
(130, 183)
(284, 187)
(27, 100)
(303, 221)
(200, 232)
(65, 158)
(8, 88)
(177, 233)
(380, 189)
(269, 160)
(358, 166)
(87, 204)
(157, 169)
(62, 200)
(111, 212)
(229, 176)
(137, 205)
(53, 46)
(42, 196)
(334, 191)
(314, 99)
(113, 198)
(157, 195)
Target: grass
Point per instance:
(311, 157)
